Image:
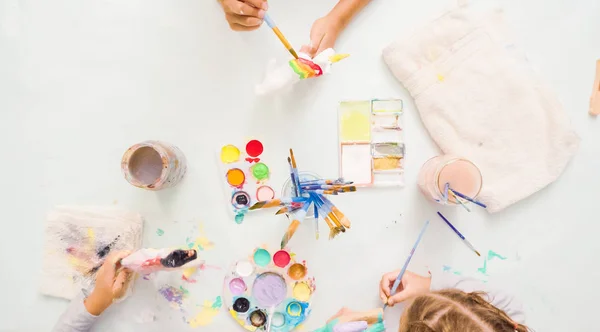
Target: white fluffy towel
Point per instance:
(479, 99)
(78, 239)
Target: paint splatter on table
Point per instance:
(207, 314)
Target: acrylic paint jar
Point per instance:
(461, 174)
(153, 165)
(286, 191)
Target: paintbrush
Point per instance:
(343, 188)
(333, 230)
(346, 189)
(316, 216)
(319, 186)
(322, 192)
(277, 202)
(342, 218)
(295, 170)
(459, 234)
(275, 29)
(293, 178)
(445, 193)
(401, 274)
(459, 200)
(339, 181)
(288, 209)
(472, 200)
(328, 212)
(298, 218)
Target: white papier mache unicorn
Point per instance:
(280, 78)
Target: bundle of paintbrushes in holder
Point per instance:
(306, 195)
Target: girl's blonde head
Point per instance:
(453, 310)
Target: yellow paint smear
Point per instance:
(355, 122)
(302, 292)
(206, 315)
(187, 273)
(337, 57)
(204, 243)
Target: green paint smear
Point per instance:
(329, 326)
(260, 171)
(160, 232)
(457, 273)
(218, 303)
(492, 254)
(239, 218)
(185, 291)
(483, 270)
(379, 327)
(297, 69)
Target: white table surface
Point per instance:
(80, 81)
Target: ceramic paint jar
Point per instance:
(461, 174)
(153, 165)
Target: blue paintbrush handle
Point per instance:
(451, 226)
(468, 198)
(412, 251)
(269, 21)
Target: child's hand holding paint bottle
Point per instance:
(411, 285)
(111, 284)
(244, 15)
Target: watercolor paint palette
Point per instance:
(245, 176)
(269, 291)
(371, 142)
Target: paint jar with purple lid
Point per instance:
(286, 191)
(153, 165)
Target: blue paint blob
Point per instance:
(239, 218)
(262, 257)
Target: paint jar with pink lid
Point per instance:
(153, 165)
(287, 190)
(461, 174)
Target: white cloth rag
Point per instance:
(78, 239)
(479, 99)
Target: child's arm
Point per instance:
(498, 298)
(326, 30)
(110, 284)
(76, 318)
(414, 285)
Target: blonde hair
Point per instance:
(453, 310)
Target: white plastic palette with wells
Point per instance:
(245, 175)
(269, 291)
(371, 142)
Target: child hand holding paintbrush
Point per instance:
(446, 302)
